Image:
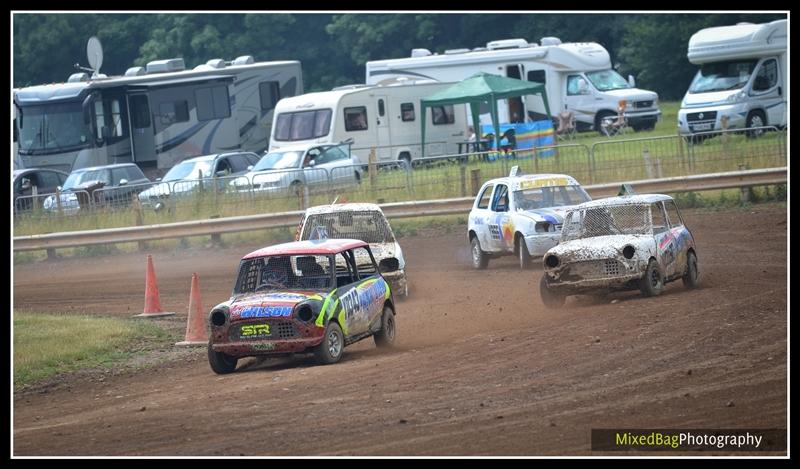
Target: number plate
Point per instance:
(701, 127)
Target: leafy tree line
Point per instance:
(333, 48)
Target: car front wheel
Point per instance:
(330, 350)
(221, 363)
(550, 298)
(385, 337)
(692, 277)
(524, 255)
(479, 258)
(652, 284)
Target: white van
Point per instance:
(742, 77)
(578, 77)
(382, 117)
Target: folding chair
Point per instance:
(614, 126)
(566, 126)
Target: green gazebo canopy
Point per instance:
(482, 88)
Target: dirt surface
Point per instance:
(480, 366)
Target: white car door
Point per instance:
(480, 216)
(500, 226)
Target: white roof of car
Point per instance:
(527, 181)
(299, 147)
(625, 200)
(352, 207)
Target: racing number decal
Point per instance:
(362, 303)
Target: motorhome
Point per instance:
(154, 116)
(384, 117)
(742, 78)
(578, 78)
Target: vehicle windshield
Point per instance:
(302, 125)
(278, 160)
(607, 80)
(369, 226)
(278, 273)
(188, 170)
(53, 128)
(606, 220)
(76, 179)
(722, 76)
(549, 196)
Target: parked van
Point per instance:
(742, 77)
(384, 117)
(578, 77)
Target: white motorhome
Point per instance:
(384, 117)
(154, 116)
(578, 77)
(742, 77)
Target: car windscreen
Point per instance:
(722, 76)
(607, 80)
(289, 272)
(607, 220)
(549, 196)
(278, 160)
(76, 179)
(188, 170)
(369, 226)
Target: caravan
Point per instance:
(154, 116)
(578, 78)
(742, 78)
(384, 117)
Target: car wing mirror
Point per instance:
(390, 264)
(250, 167)
(123, 182)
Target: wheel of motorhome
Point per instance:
(755, 119)
(604, 121)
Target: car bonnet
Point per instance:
(274, 304)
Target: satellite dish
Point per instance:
(94, 51)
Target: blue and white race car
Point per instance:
(521, 216)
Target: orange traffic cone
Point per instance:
(152, 305)
(195, 324)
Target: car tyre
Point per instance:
(384, 338)
(550, 298)
(524, 255)
(479, 258)
(691, 279)
(330, 350)
(755, 119)
(221, 363)
(652, 283)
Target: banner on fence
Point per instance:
(528, 135)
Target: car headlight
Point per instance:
(544, 227)
(551, 261)
(736, 97)
(48, 203)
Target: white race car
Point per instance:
(521, 216)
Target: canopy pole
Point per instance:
(495, 123)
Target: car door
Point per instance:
(349, 313)
(665, 240)
(337, 165)
(501, 230)
(766, 87)
(362, 300)
(682, 236)
(480, 216)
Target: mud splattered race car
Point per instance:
(295, 298)
(359, 221)
(521, 216)
(620, 243)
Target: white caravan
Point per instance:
(578, 77)
(154, 116)
(742, 77)
(384, 117)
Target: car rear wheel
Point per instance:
(221, 363)
(524, 255)
(550, 298)
(385, 337)
(479, 258)
(330, 350)
(652, 283)
(692, 277)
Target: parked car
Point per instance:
(119, 184)
(42, 181)
(619, 243)
(297, 297)
(520, 215)
(358, 221)
(308, 165)
(186, 176)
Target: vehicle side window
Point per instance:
(659, 218)
(672, 213)
(239, 163)
(252, 159)
(483, 202)
(767, 76)
(118, 174)
(407, 112)
(443, 114)
(355, 118)
(48, 180)
(573, 85)
(134, 173)
(500, 199)
(366, 263)
(345, 273)
(330, 155)
(223, 164)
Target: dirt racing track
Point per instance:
(480, 366)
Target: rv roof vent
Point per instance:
(507, 44)
(479, 49)
(244, 60)
(168, 65)
(550, 41)
(135, 72)
(78, 77)
(455, 51)
(420, 52)
(216, 63)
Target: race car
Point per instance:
(520, 215)
(358, 221)
(619, 243)
(295, 298)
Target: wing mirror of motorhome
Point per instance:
(632, 81)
